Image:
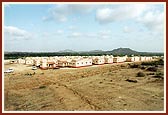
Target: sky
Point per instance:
(83, 27)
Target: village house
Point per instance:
(29, 62)
(80, 62)
(51, 65)
(21, 61)
(98, 60)
(130, 59)
(108, 59)
(119, 59)
(133, 59)
(136, 58)
(142, 58)
(63, 63)
(43, 64)
(37, 62)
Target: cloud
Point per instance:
(153, 20)
(127, 29)
(103, 34)
(12, 33)
(59, 31)
(120, 13)
(61, 12)
(76, 35)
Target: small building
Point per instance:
(119, 59)
(136, 58)
(62, 63)
(108, 59)
(51, 65)
(37, 62)
(43, 64)
(21, 61)
(29, 62)
(130, 59)
(133, 59)
(98, 60)
(148, 58)
(142, 58)
(80, 62)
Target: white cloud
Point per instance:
(12, 32)
(153, 20)
(60, 31)
(122, 12)
(61, 12)
(127, 29)
(103, 34)
(76, 35)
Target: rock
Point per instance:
(130, 80)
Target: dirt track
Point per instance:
(102, 88)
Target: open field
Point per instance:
(112, 87)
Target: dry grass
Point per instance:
(92, 88)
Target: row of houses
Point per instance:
(76, 61)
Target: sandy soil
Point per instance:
(97, 88)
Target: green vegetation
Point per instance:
(115, 52)
(153, 63)
(140, 74)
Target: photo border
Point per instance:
(79, 112)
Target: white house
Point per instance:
(133, 59)
(108, 59)
(43, 64)
(80, 62)
(119, 59)
(21, 61)
(98, 60)
(29, 62)
(62, 63)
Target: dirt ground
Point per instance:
(95, 88)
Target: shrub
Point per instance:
(151, 74)
(41, 87)
(142, 67)
(140, 74)
(154, 69)
(134, 66)
(154, 63)
(130, 80)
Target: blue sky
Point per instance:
(83, 27)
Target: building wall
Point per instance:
(108, 60)
(118, 59)
(98, 61)
(80, 63)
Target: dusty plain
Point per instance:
(95, 88)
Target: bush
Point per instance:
(151, 74)
(134, 66)
(154, 69)
(154, 63)
(143, 67)
(41, 87)
(140, 74)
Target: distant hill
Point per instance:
(122, 51)
(67, 52)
